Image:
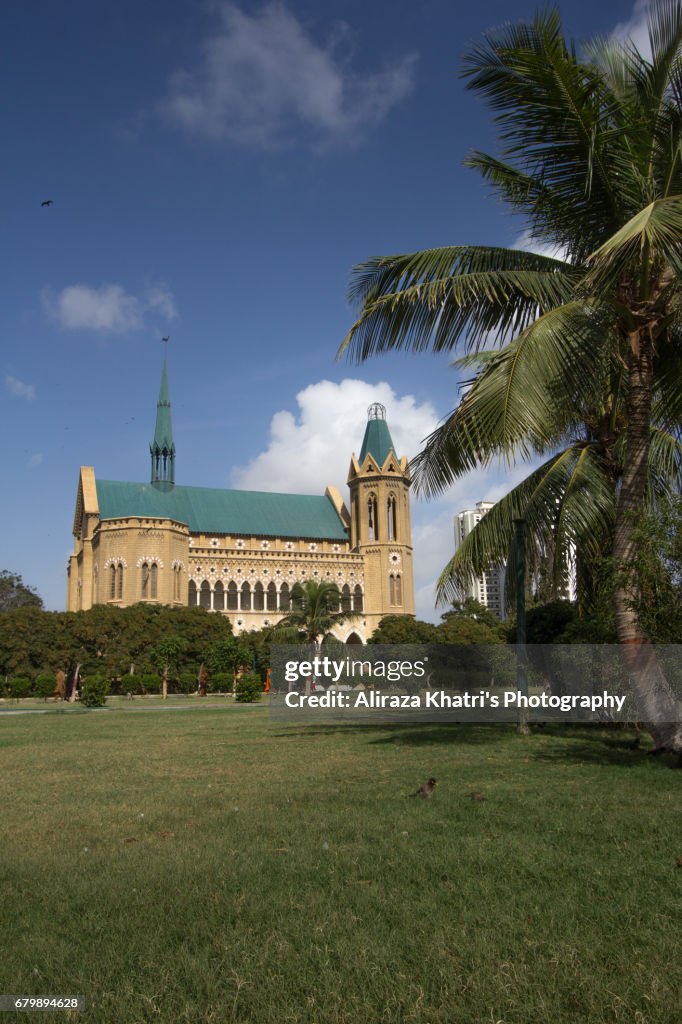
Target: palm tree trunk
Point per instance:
(655, 700)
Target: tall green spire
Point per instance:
(162, 448)
(377, 441)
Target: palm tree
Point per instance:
(569, 502)
(592, 158)
(315, 611)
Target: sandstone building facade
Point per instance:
(239, 553)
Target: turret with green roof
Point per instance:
(377, 441)
(162, 448)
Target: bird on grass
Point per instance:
(477, 796)
(47, 202)
(426, 789)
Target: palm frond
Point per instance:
(524, 400)
(553, 113)
(568, 500)
(435, 298)
(657, 227)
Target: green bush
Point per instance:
(19, 687)
(130, 684)
(44, 685)
(220, 682)
(186, 682)
(150, 683)
(94, 691)
(249, 689)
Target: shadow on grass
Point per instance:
(599, 746)
(413, 735)
(575, 743)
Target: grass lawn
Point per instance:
(214, 866)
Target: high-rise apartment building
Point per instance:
(488, 588)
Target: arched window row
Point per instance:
(246, 596)
(277, 576)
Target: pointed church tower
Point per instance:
(379, 485)
(162, 448)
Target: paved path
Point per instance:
(135, 710)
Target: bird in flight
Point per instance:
(167, 338)
(47, 202)
(426, 789)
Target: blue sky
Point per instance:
(216, 171)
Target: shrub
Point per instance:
(221, 682)
(44, 685)
(94, 691)
(186, 682)
(19, 687)
(249, 689)
(150, 683)
(130, 684)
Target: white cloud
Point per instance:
(160, 298)
(35, 460)
(526, 242)
(312, 448)
(107, 308)
(262, 74)
(18, 388)
(635, 29)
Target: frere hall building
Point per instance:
(239, 553)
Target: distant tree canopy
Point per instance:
(14, 593)
(470, 608)
(111, 641)
(456, 628)
(402, 629)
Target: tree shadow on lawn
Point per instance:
(413, 735)
(599, 746)
(577, 743)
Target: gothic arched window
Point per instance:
(284, 598)
(232, 597)
(358, 599)
(246, 596)
(392, 518)
(346, 600)
(154, 579)
(219, 596)
(112, 580)
(258, 598)
(373, 517)
(272, 597)
(145, 579)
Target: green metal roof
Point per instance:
(209, 510)
(163, 434)
(377, 441)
